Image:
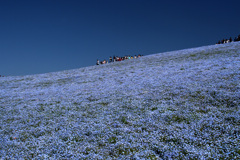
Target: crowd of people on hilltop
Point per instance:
(236, 39)
(116, 58)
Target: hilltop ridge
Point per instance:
(180, 104)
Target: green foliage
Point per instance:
(91, 99)
(77, 138)
(123, 119)
(24, 136)
(154, 108)
(122, 149)
(112, 139)
(104, 103)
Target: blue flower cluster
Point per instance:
(174, 105)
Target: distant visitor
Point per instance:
(116, 58)
(223, 41)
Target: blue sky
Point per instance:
(43, 36)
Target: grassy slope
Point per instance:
(181, 104)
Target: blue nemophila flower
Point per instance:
(175, 105)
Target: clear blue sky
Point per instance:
(40, 36)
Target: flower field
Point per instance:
(175, 105)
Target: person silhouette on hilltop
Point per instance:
(97, 62)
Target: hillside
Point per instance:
(180, 104)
